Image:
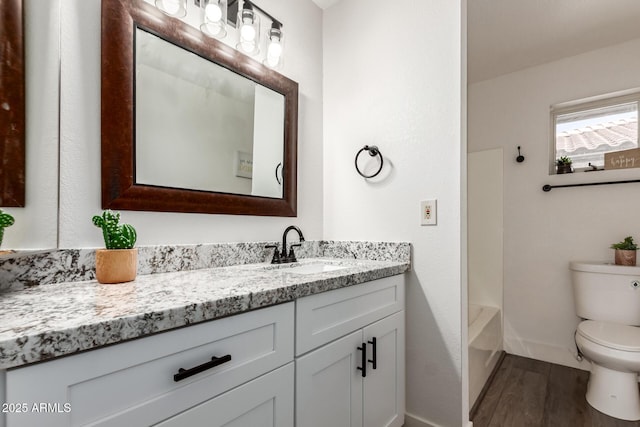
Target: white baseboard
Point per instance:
(564, 356)
(415, 421)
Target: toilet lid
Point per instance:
(612, 335)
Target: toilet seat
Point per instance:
(611, 335)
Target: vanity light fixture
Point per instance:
(177, 8)
(214, 18)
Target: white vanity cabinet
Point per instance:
(350, 356)
(134, 383)
(238, 371)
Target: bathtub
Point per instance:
(485, 346)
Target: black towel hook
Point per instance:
(373, 151)
(520, 157)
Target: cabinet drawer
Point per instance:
(324, 317)
(133, 383)
(266, 402)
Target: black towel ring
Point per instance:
(277, 177)
(373, 151)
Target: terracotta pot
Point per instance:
(625, 257)
(116, 265)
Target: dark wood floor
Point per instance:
(526, 392)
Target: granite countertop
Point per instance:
(45, 322)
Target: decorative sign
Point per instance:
(622, 159)
(244, 164)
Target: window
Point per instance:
(585, 130)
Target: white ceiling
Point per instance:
(510, 35)
(325, 3)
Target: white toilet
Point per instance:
(607, 296)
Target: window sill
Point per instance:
(582, 177)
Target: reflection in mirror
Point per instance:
(12, 105)
(203, 127)
(212, 163)
(36, 220)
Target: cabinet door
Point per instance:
(329, 385)
(264, 402)
(384, 385)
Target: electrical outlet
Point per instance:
(428, 212)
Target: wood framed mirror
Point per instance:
(12, 105)
(135, 126)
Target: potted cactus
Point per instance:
(118, 262)
(6, 220)
(625, 251)
(563, 165)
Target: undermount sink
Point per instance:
(313, 268)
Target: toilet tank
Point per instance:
(606, 292)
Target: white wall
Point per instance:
(80, 138)
(544, 231)
(403, 93)
(36, 225)
(485, 204)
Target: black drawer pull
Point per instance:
(373, 360)
(186, 373)
(363, 360)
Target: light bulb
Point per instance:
(274, 52)
(213, 12)
(213, 19)
(273, 57)
(249, 30)
(247, 33)
(171, 6)
(275, 49)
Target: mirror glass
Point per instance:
(201, 126)
(36, 24)
(189, 124)
(12, 105)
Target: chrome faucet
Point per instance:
(283, 256)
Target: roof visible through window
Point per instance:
(585, 135)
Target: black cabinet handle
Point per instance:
(215, 361)
(374, 352)
(363, 360)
